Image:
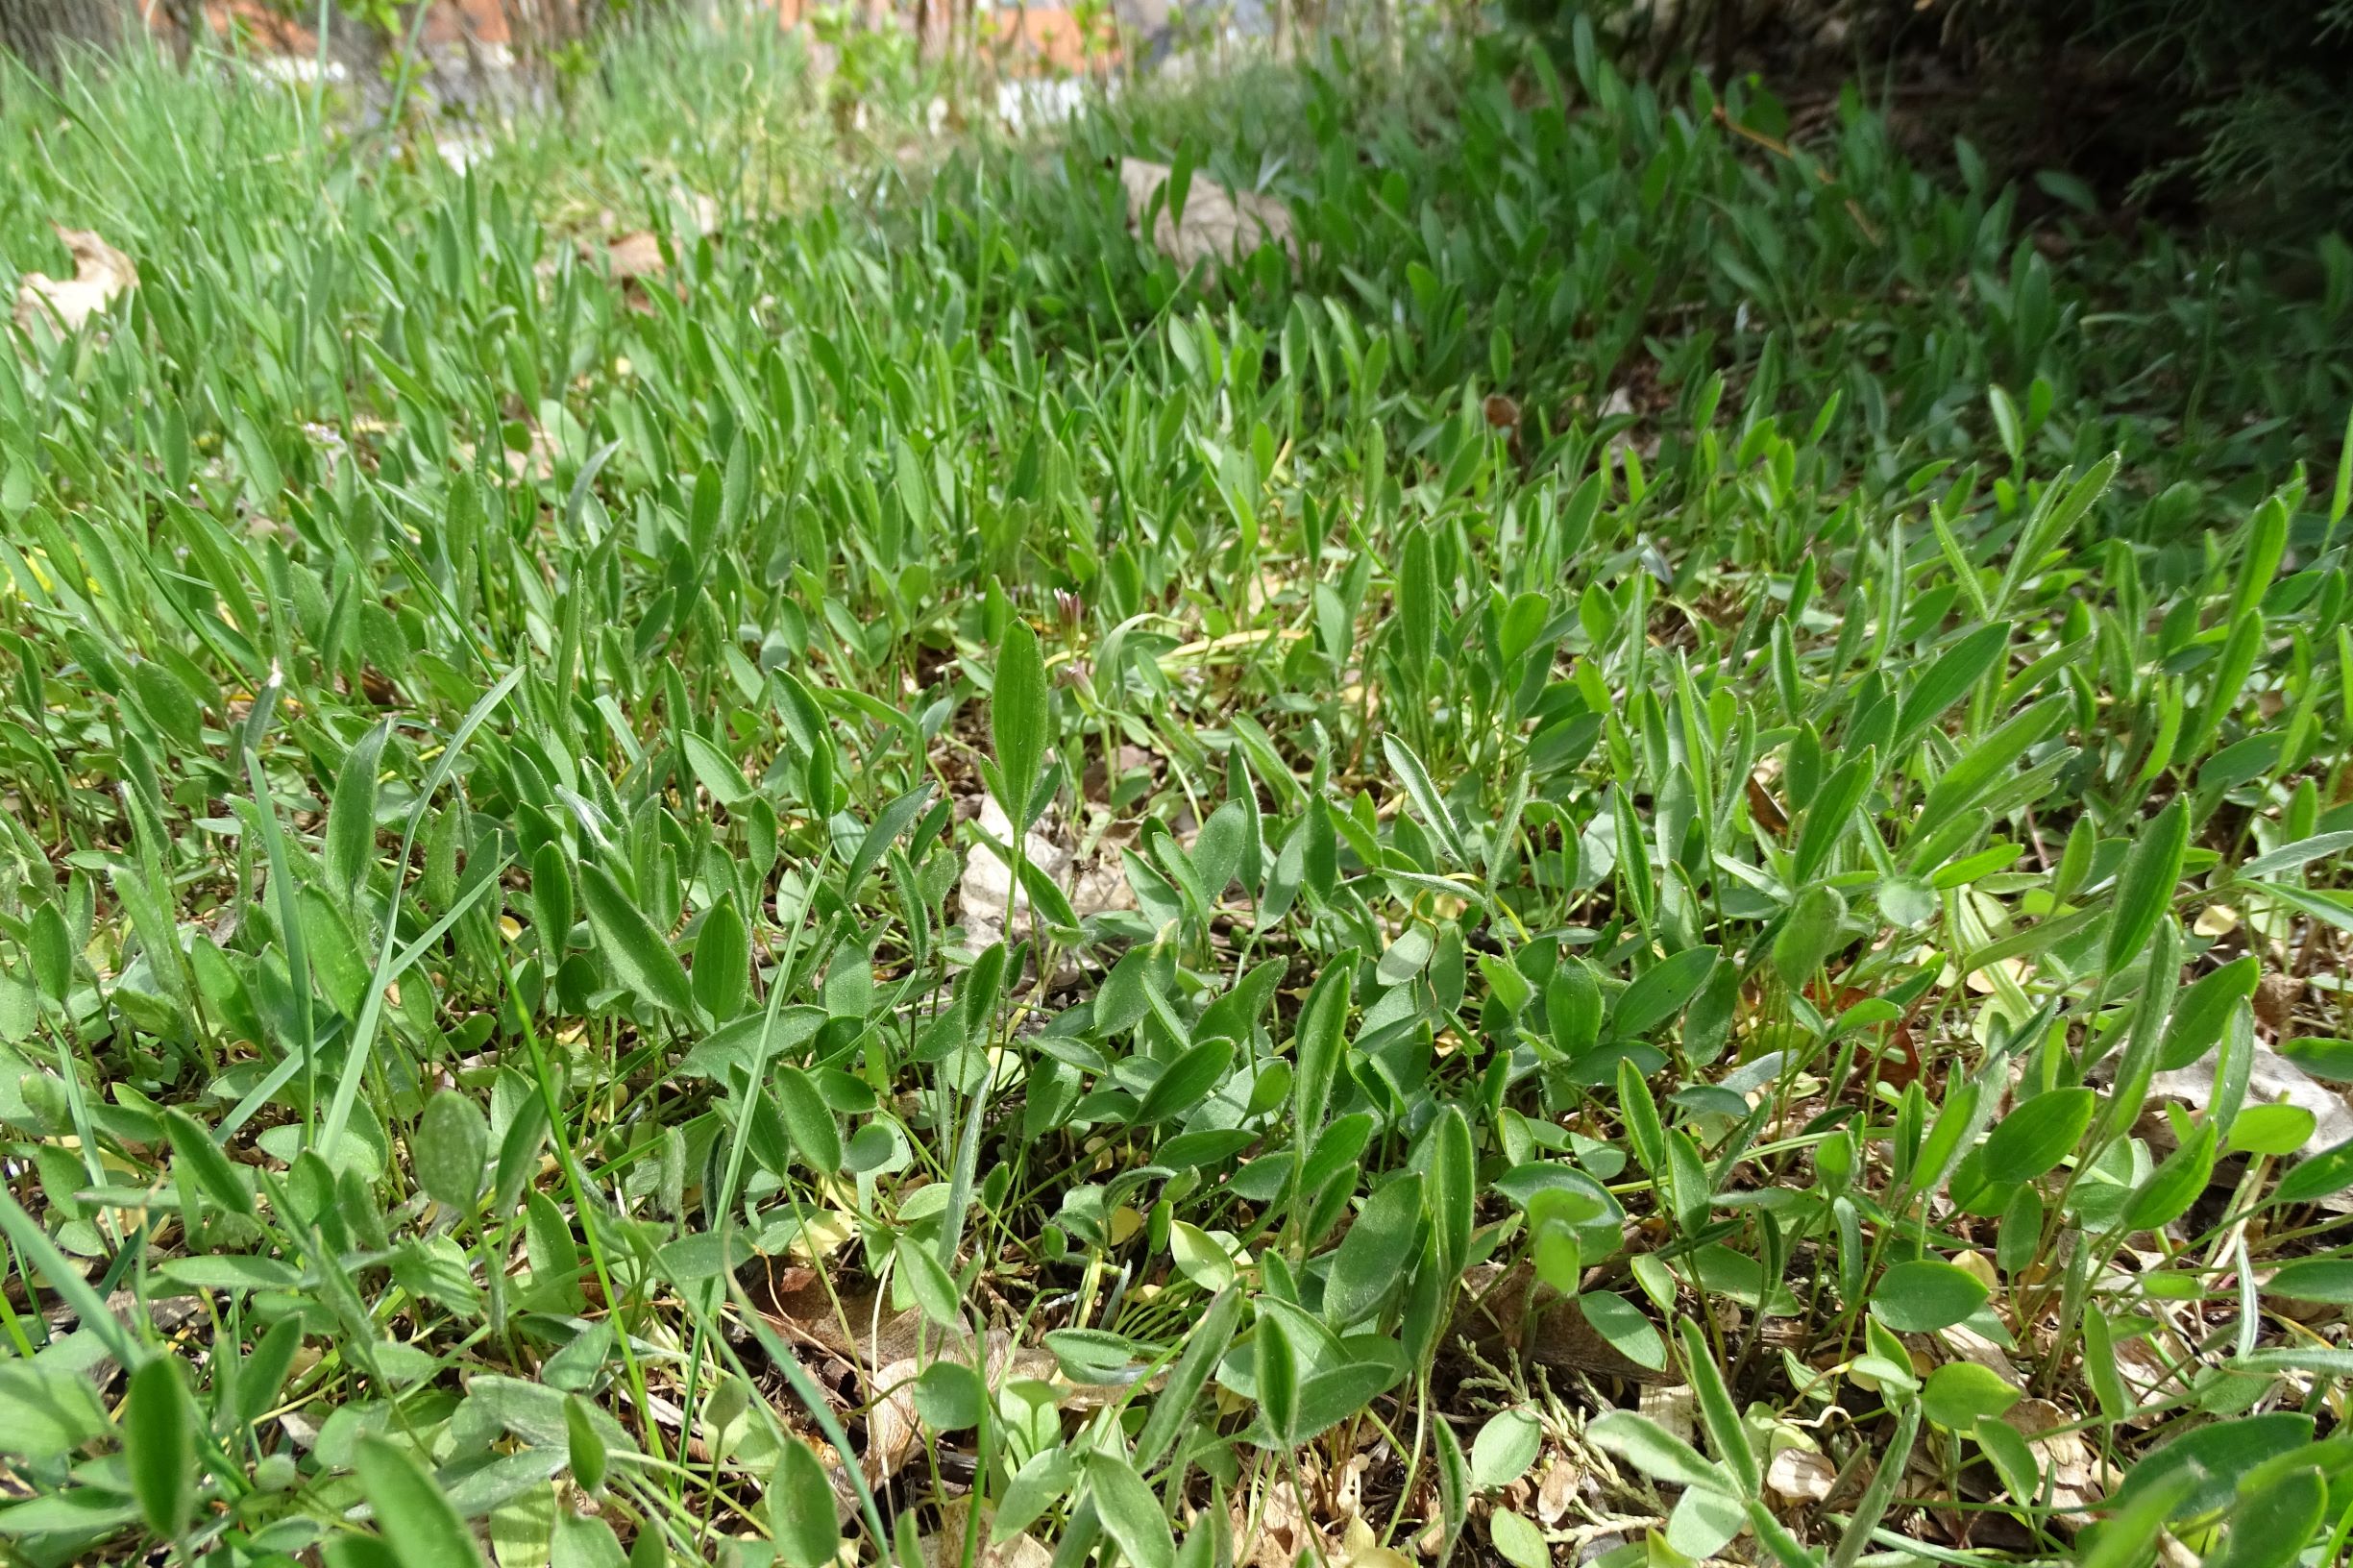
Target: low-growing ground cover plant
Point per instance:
(1628, 851)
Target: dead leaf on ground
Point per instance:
(1801, 1475)
(1280, 1533)
(2077, 1474)
(1673, 1407)
(944, 1548)
(2271, 1080)
(892, 1424)
(1495, 1317)
(1556, 1490)
(888, 1351)
(101, 274)
(1967, 1345)
(1219, 224)
(637, 254)
(986, 891)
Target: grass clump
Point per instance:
(1632, 850)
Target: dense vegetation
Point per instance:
(1630, 849)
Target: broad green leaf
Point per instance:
(2316, 1176)
(415, 1518)
(2303, 852)
(1925, 1294)
(1660, 991)
(2035, 1137)
(193, 1144)
(159, 1423)
(2145, 888)
(933, 1288)
(949, 1396)
(1276, 1362)
(2203, 1011)
(640, 957)
(2314, 1279)
(1368, 1267)
(2271, 1524)
(1173, 1407)
(800, 1507)
(1129, 1511)
(1656, 1452)
(1958, 1394)
(584, 1446)
(1425, 797)
(1621, 1323)
(452, 1143)
(2214, 1456)
(1506, 1446)
(808, 1120)
(1951, 677)
(1827, 814)
(1186, 1082)
(714, 770)
(722, 978)
(2174, 1184)
(350, 816)
(1718, 1413)
(1018, 719)
(1517, 1540)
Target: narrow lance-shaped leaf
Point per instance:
(413, 1513)
(2145, 889)
(640, 957)
(1017, 720)
(160, 1445)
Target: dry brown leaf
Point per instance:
(1801, 1475)
(1280, 1530)
(892, 1425)
(1555, 1491)
(1219, 224)
(1495, 1317)
(1968, 1345)
(101, 274)
(945, 1549)
(2271, 1080)
(2145, 1376)
(2079, 1477)
(986, 891)
(637, 254)
(1673, 1407)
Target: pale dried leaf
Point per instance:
(1495, 1317)
(985, 890)
(1281, 1532)
(1218, 223)
(1967, 1345)
(944, 1548)
(1360, 1547)
(1554, 1492)
(2273, 1079)
(892, 1425)
(1801, 1475)
(635, 255)
(101, 274)
(1673, 1407)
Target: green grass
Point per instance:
(1682, 716)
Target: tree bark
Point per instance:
(37, 32)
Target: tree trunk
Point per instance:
(38, 31)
